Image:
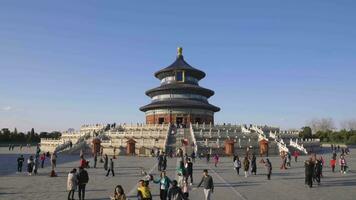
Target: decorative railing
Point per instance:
(296, 144)
(191, 130)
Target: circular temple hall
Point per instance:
(179, 99)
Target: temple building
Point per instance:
(179, 99)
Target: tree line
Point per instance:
(329, 136)
(7, 136)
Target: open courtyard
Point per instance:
(285, 184)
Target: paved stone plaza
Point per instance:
(288, 184)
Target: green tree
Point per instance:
(306, 132)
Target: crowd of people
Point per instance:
(180, 187)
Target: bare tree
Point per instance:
(323, 124)
(348, 124)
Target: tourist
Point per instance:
(342, 163)
(246, 164)
(208, 184)
(20, 161)
(9, 147)
(185, 189)
(207, 158)
(175, 192)
(332, 164)
(72, 181)
(322, 165)
(83, 179)
(193, 156)
(237, 164)
(216, 160)
(181, 173)
(268, 166)
(106, 162)
(283, 160)
(160, 160)
(317, 170)
(95, 159)
(82, 162)
(53, 160)
(143, 191)
(119, 193)
(289, 158)
(164, 183)
(164, 163)
(30, 165)
(296, 154)
(309, 172)
(43, 158)
(253, 164)
(35, 165)
(189, 170)
(111, 168)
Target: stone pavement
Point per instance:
(288, 184)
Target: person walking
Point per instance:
(289, 158)
(42, 158)
(35, 166)
(111, 168)
(342, 163)
(189, 170)
(193, 156)
(83, 163)
(208, 184)
(309, 172)
(216, 160)
(119, 193)
(20, 161)
(53, 160)
(30, 165)
(333, 164)
(143, 191)
(106, 160)
(175, 192)
(164, 183)
(296, 154)
(253, 165)
(95, 159)
(185, 189)
(268, 166)
(164, 163)
(246, 164)
(160, 162)
(72, 181)
(83, 179)
(207, 158)
(317, 171)
(181, 173)
(237, 165)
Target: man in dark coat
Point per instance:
(20, 161)
(253, 165)
(160, 161)
(111, 168)
(189, 170)
(106, 160)
(309, 172)
(83, 179)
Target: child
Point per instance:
(332, 164)
(185, 189)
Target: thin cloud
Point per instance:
(7, 108)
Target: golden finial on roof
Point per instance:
(180, 51)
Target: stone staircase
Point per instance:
(174, 140)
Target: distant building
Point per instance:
(179, 99)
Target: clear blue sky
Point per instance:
(271, 62)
